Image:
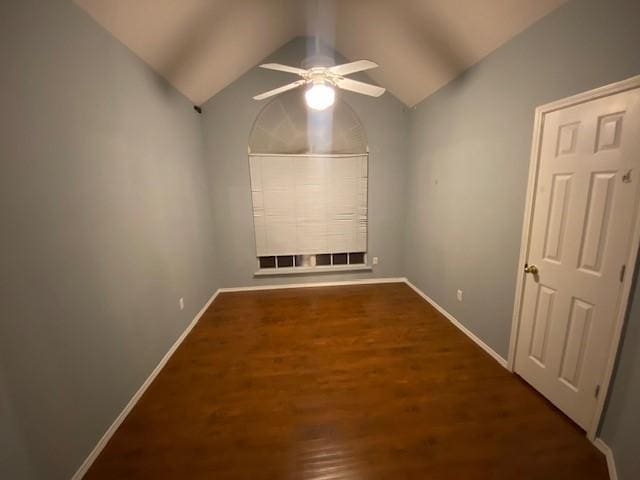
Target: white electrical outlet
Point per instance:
(375, 260)
(181, 303)
(459, 295)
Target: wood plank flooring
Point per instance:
(358, 382)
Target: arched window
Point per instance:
(309, 174)
(286, 126)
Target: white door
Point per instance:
(584, 209)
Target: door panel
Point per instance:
(586, 195)
(575, 342)
(557, 218)
(542, 321)
(597, 221)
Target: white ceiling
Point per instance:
(201, 46)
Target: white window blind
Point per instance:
(309, 204)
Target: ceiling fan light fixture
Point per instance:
(320, 96)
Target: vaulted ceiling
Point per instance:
(201, 46)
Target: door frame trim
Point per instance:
(540, 112)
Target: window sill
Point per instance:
(273, 272)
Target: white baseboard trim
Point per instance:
(127, 409)
(363, 281)
(608, 453)
(465, 330)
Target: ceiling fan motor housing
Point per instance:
(321, 76)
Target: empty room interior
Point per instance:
(320, 239)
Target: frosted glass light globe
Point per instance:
(320, 96)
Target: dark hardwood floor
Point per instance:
(358, 382)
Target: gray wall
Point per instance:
(106, 222)
(467, 175)
(228, 118)
(621, 426)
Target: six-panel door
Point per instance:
(585, 202)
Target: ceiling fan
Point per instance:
(323, 80)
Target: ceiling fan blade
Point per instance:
(353, 67)
(284, 68)
(276, 91)
(359, 87)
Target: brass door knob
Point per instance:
(532, 269)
